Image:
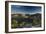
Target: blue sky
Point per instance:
(25, 9)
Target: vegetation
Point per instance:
(22, 22)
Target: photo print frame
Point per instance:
(24, 16)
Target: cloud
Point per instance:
(20, 12)
(25, 9)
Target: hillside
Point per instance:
(26, 21)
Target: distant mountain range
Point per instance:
(33, 15)
(27, 14)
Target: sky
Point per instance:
(25, 9)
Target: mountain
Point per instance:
(32, 20)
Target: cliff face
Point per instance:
(36, 20)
